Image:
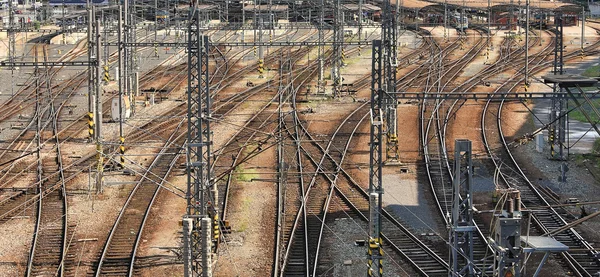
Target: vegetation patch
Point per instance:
(592, 71)
(591, 161)
(244, 175)
(577, 114)
(243, 224)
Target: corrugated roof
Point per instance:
(275, 8)
(482, 4)
(413, 4)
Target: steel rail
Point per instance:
(47, 212)
(540, 218)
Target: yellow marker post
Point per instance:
(91, 124)
(106, 73)
(122, 152)
(261, 68)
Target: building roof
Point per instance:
(483, 4)
(275, 8)
(413, 4)
(366, 7)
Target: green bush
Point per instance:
(592, 71)
(596, 147)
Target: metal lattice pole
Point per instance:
(198, 150)
(390, 101)
(11, 41)
(338, 39)
(121, 81)
(98, 112)
(556, 131)
(91, 72)
(375, 253)
(321, 46)
(462, 225)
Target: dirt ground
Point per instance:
(248, 250)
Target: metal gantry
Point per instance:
(375, 252)
(197, 245)
(462, 224)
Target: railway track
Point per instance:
(118, 255)
(340, 184)
(329, 183)
(119, 252)
(399, 240)
(439, 169)
(47, 255)
(581, 263)
(481, 252)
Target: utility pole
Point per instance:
(98, 106)
(374, 251)
(321, 50)
(94, 91)
(107, 23)
(197, 250)
(63, 25)
(511, 14)
(526, 45)
(462, 225)
(556, 130)
(261, 52)
(445, 20)
(121, 81)
(38, 125)
(91, 71)
(132, 55)
(582, 32)
(390, 102)
(11, 42)
(338, 40)
(360, 19)
(489, 40)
